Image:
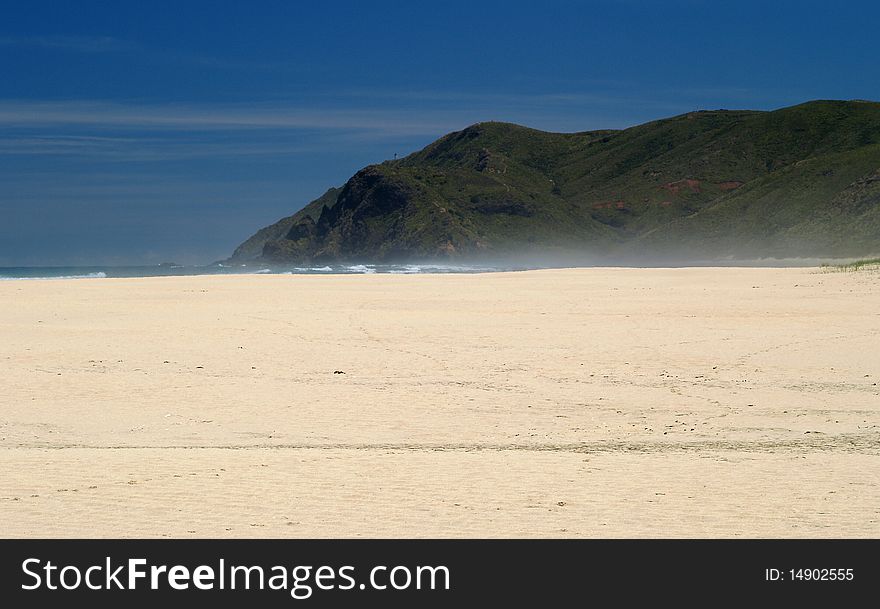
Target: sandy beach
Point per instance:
(562, 403)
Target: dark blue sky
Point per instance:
(141, 132)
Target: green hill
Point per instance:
(800, 181)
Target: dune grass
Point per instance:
(858, 265)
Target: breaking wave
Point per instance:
(98, 275)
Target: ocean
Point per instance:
(173, 270)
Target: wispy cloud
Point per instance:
(209, 117)
(358, 115)
(593, 94)
(142, 131)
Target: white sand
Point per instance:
(596, 402)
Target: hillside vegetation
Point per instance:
(800, 181)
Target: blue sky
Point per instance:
(142, 132)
